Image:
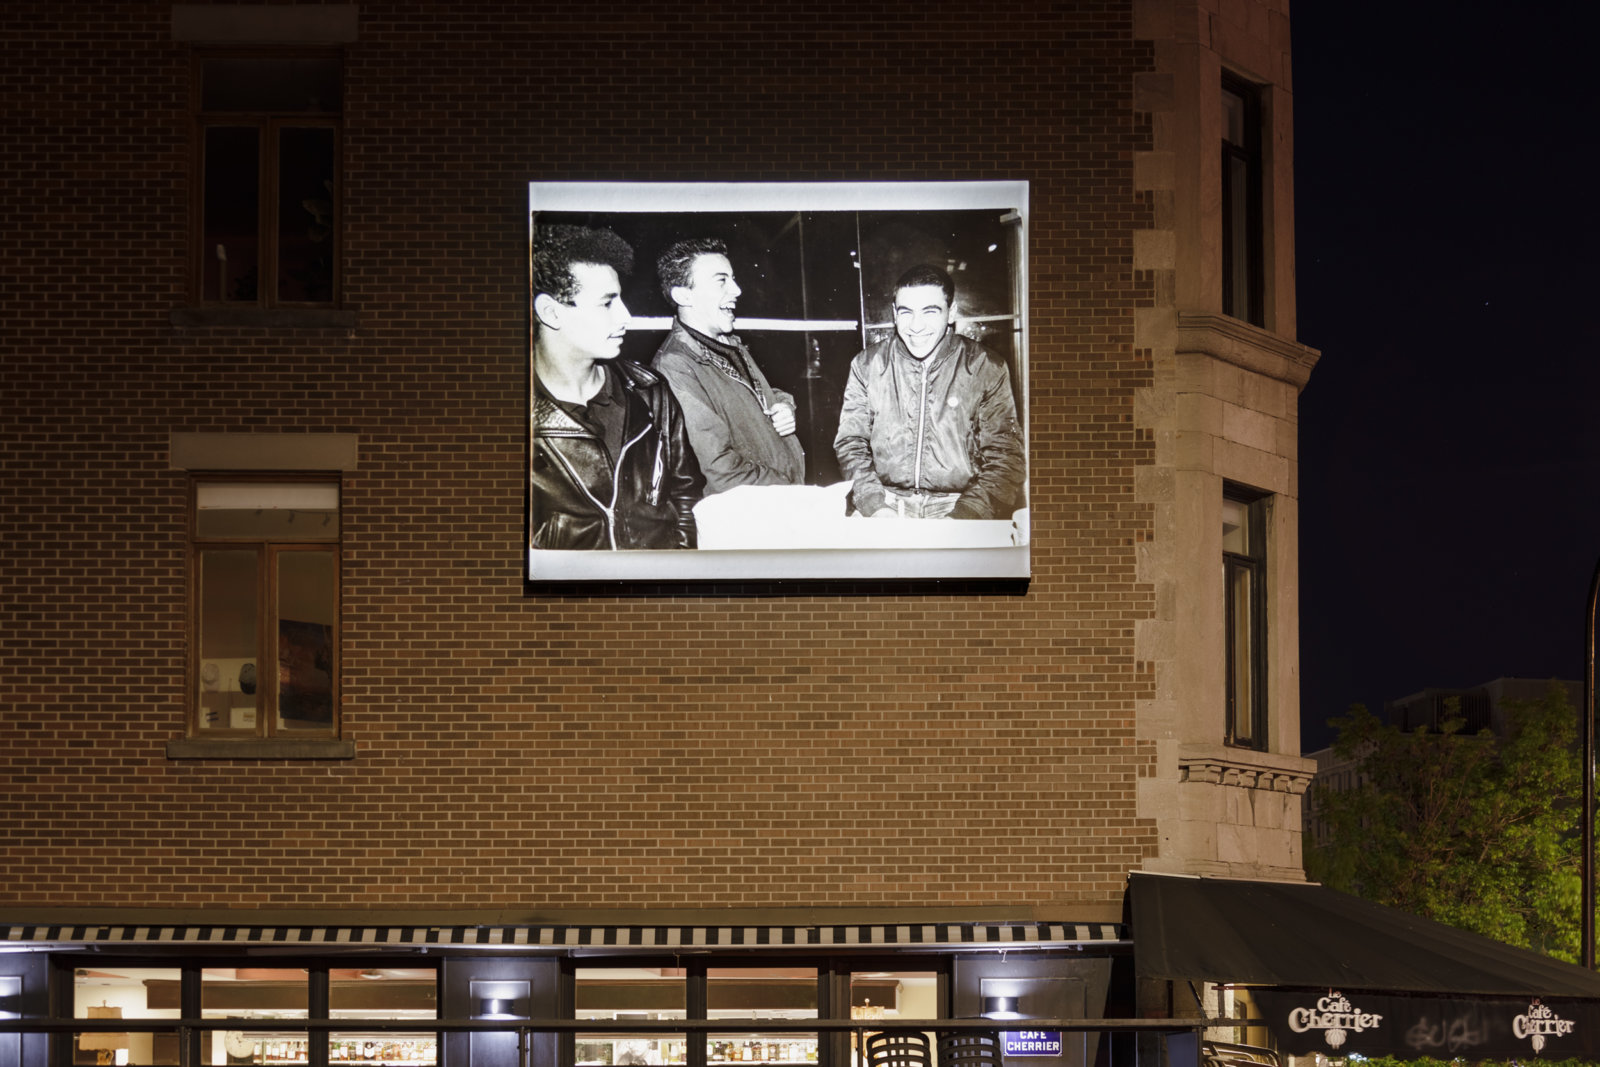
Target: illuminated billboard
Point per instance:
(777, 381)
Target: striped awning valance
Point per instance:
(577, 938)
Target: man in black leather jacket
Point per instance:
(610, 461)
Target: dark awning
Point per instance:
(1296, 934)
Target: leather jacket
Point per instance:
(944, 424)
(582, 497)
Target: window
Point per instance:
(663, 991)
(403, 993)
(638, 993)
(267, 136)
(1244, 566)
(264, 583)
(879, 994)
(1242, 248)
(785, 993)
(286, 995)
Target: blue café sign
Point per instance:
(1031, 1042)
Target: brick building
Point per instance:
(277, 253)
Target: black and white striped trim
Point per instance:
(940, 935)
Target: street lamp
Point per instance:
(1588, 774)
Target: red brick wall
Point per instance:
(536, 751)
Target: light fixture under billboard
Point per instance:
(739, 438)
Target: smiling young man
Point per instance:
(610, 462)
(929, 425)
(741, 427)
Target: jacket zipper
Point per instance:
(922, 424)
(610, 513)
(616, 483)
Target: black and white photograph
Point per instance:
(758, 381)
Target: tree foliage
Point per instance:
(1476, 831)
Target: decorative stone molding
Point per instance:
(1243, 345)
(1248, 770)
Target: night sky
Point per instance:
(1447, 178)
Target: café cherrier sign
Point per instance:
(1336, 1024)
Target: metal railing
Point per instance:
(527, 1029)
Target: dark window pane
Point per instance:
(1241, 671)
(230, 256)
(1240, 252)
(1244, 561)
(307, 583)
(1234, 118)
(279, 83)
(229, 613)
(305, 214)
(1243, 253)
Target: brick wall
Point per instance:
(561, 752)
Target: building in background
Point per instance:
(287, 737)
(1482, 707)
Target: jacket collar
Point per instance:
(707, 349)
(946, 345)
(551, 417)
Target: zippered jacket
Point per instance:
(728, 425)
(944, 424)
(583, 497)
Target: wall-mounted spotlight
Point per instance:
(500, 999)
(1000, 1008)
(495, 1008)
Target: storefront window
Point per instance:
(281, 994)
(766, 993)
(893, 995)
(383, 993)
(280, 997)
(636, 993)
(113, 992)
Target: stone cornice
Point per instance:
(1243, 345)
(1220, 765)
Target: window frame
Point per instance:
(269, 125)
(268, 550)
(1249, 306)
(191, 983)
(1253, 563)
(833, 974)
